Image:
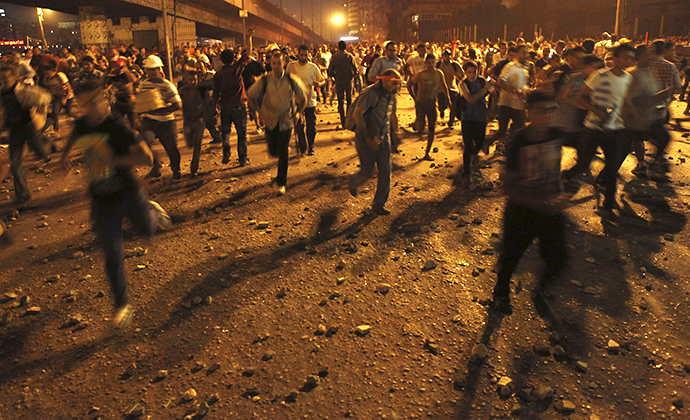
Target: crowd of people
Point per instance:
(610, 94)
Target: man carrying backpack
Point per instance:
(370, 119)
(279, 98)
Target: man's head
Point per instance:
(522, 53)
(277, 63)
(540, 108)
(50, 69)
(590, 64)
(421, 49)
(7, 76)
(92, 101)
(573, 56)
(642, 54)
(470, 68)
(342, 45)
(429, 61)
(658, 47)
(88, 63)
(446, 56)
(623, 56)
(303, 54)
(588, 45)
(391, 49)
(391, 81)
(227, 56)
(192, 78)
(503, 48)
(65, 52)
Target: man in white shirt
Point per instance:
(310, 74)
(514, 85)
(603, 96)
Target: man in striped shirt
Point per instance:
(160, 123)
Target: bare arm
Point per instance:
(137, 154)
(584, 103)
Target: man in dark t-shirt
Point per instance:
(535, 201)
(109, 150)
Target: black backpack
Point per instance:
(264, 85)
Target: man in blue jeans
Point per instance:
(109, 150)
(229, 91)
(372, 116)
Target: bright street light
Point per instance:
(337, 19)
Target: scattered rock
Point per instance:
(432, 346)
(542, 349)
(77, 255)
(576, 283)
(525, 394)
(581, 366)
(340, 281)
(613, 346)
(189, 395)
(340, 266)
(198, 366)
(311, 383)
(162, 374)
(323, 373)
(249, 372)
(362, 330)
(34, 310)
(53, 279)
(383, 288)
(281, 293)
(554, 337)
(477, 221)
(262, 225)
(669, 237)
(479, 352)
(292, 397)
(678, 403)
(565, 406)
(129, 371)
(430, 265)
(268, 355)
(320, 330)
(197, 301)
(8, 297)
(72, 321)
(504, 386)
(544, 393)
(137, 411)
(558, 351)
(332, 330)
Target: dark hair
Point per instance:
(574, 50)
(640, 49)
(502, 43)
(389, 43)
(303, 48)
(512, 50)
(421, 45)
(51, 65)
(472, 53)
(88, 59)
(276, 54)
(561, 43)
(511, 44)
(658, 47)
(588, 45)
(520, 47)
(469, 64)
(5, 66)
(590, 59)
(342, 45)
(623, 48)
(430, 57)
(227, 56)
(537, 97)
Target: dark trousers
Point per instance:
(57, 107)
(505, 115)
(344, 93)
(660, 136)
(369, 159)
(211, 123)
(520, 226)
(308, 123)
(473, 135)
(616, 148)
(193, 133)
(453, 106)
(238, 116)
(166, 132)
(279, 146)
(585, 147)
(20, 135)
(107, 217)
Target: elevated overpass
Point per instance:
(215, 19)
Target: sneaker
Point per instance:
(310, 152)
(502, 304)
(352, 188)
(164, 221)
(381, 211)
(123, 316)
(177, 175)
(281, 190)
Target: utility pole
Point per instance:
(244, 25)
(39, 11)
(167, 40)
(301, 18)
(618, 17)
(282, 40)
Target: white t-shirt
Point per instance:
(308, 73)
(416, 63)
(608, 92)
(168, 93)
(514, 75)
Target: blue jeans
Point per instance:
(616, 148)
(344, 94)
(166, 132)
(107, 217)
(193, 133)
(238, 116)
(18, 137)
(368, 159)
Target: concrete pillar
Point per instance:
(93, 26)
